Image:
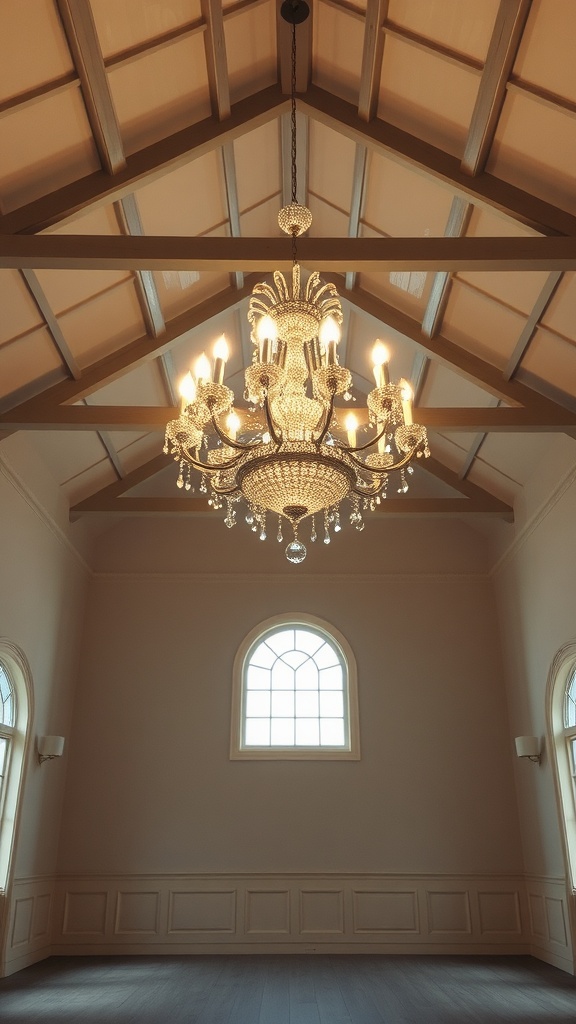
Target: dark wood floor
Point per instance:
(314, 989)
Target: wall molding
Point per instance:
(245, 577)
(24, 491)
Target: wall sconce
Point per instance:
(528, 746)
(49, 747)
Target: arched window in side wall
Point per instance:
(562, 735)
(15, 715)
(294, 693)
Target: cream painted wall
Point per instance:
(44, 582)
(150, 785)
(536, 592)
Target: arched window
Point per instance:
(15, 716)
(295, 694)
(562, 734)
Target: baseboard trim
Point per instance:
(554, 959)
(292, 948)
(18, 963)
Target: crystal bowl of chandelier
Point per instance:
(288, 455)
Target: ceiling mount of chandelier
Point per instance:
(288, 455)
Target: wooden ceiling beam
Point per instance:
(458, 220)
(154, 418)
(111, 252)
(372, 54)
(54, 329)
(484, 190)
(100, 188)
(216, 60)
(502, 51)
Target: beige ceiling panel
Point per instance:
(427, 96)
(28, 358)
(514, 455)
(140, 450)
(561, 313)
(447, 451)
(401, 203)
(141, 386)
(33, 49)
(251, 50)
(496, 483)
(407, 292)
(338, 47)
(461, 25)
(67, 289)
(517, 289)
(482, 326)
(552, 359)
(19, 312)
(546, 55)
(123, 24)
(535, 149)
(176, 290)
(89, 482)
(189, 201)
(44, 147)
(161, 93)
(445, 388)
(486, 223)
(331, 173)
(327, 221)
(106, 323)
(258, 165)
(262, 221)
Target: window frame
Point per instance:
(561, 739)
(301, 753)
(18, 673)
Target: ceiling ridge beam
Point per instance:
(484, 190)
(372, 54)
(172, 252)
(146, 165)
(216, 60)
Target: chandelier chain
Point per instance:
(293, 116)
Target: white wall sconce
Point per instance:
(528, 746)
(49, 747)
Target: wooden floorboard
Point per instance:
(299, 989)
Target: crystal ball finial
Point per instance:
(294, 219)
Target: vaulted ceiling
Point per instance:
(145, 154)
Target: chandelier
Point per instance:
(288, 455)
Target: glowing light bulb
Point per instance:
(202, 369)
(406, 395)
(266, 329)
(220, 357)
(380, 357)
(232, 425)
(329, 336)
(187, 389)
(351, 424)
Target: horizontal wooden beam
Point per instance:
(155, 418)
(113, 252)
(440, 508)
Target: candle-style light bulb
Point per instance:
(220, 358)
(267, 334)
(351, 424)
(380, 357)
(406, 395)
(202, 369)
(232, 425)
(187, 389)
(329, 336)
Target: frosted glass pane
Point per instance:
(3, 753)
(282, 677)
(281, 642)
(257, 678)
(570, 703)
(332, 732)
(282, 732)
(263, 656)
(282, 704)
(331, 704)
(6, 699)
(257, 732)
(307, 704)
(307, 732)
(326, 656)
(258, 704)
(309, 642)
(331, 678)
(294, 658)
(307, 677)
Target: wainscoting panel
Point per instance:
(549, 921)
(292, 913)
(29, 913)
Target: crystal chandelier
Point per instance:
(289, 455)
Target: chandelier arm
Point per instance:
(205, 467)
(232, 489)
(270, 422)
(240, 445)
(328, 420)
(382, 472)
(368, 492)
(363, 447)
